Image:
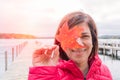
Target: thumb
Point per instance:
(55, 53)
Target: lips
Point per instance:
(78, 50)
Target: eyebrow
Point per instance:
(84, 33)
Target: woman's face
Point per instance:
(81, 54)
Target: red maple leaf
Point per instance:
(68, 37)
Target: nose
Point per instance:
(80, 42)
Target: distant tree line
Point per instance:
(109, 37)
(16, 36)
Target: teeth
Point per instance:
(79, 50)
(82, 49)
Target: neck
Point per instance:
(84, 67)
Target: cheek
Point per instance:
(88, 44)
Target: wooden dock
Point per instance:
(113, 46)
(19, 68)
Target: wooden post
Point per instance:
(104, 52)
(12, 54)
(116, 54)
(19, 48)
(6, 61)
(16, 50)
(112, 50)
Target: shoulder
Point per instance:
(104, 73)
(105, 70)
(102, 67)
(101, 70)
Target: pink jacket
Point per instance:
(67, 70)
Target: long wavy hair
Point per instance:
(73, 19)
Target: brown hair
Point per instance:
(76, 18)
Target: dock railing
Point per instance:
(113, 46)
(15, 50)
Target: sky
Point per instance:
(42, 17)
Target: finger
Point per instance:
(52, 55)
(42, 58)
(55, 52)
(38, 52)
(49, 52)
(49, 49)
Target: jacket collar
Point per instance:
(72, 67)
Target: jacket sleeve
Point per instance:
(43, 73)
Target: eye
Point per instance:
(86, 36)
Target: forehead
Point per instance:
(84, 27)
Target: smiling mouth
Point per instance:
(78, 50)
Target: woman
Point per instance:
(74, 55)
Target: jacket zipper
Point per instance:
(84, 78)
